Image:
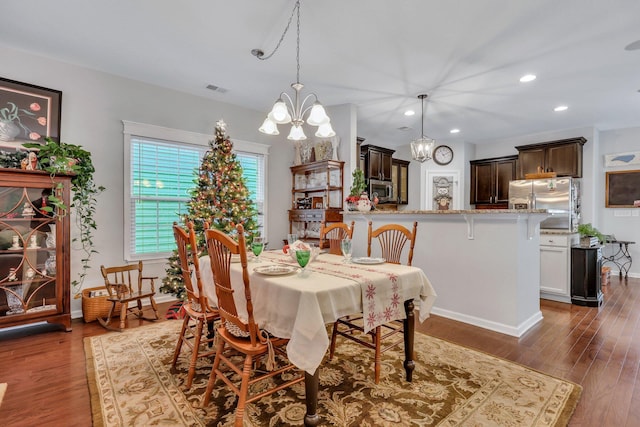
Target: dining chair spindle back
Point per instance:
(197, 331)
(333, 234)
(392, 239)
(243, 335)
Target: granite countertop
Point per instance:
(557, 232)
(449, 212)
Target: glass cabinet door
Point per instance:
(28, 262)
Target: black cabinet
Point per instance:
(378, 162)
(490, 181)
(564, 157)
(586, 266)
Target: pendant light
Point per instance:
(422, 147)
(288, 110)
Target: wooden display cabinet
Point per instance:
(316, 196)
(34, 250)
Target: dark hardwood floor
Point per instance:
(598, 348)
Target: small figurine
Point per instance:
(33, 243)
(32, 162)
(12, 274)
(27, 210)
(16, 242)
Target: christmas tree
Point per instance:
(220, 198)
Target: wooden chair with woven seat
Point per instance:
(125, 285)
(239, 334)
(197, 327)
(331, 235)
(392, 239)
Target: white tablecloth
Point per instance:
(298, 307)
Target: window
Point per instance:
(161, 166)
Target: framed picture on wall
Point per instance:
(28, 113)
(443, 192)
(622, 189)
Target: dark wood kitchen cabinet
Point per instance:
(564, 157)
(400, 181)
(490, 181)
(378, 162)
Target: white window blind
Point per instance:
(160, 175)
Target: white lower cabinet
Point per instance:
(555, 266)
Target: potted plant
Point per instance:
(586, 232)
(358, 186)
(59, 157)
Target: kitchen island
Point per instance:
(483, 264)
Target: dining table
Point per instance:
(298, 305)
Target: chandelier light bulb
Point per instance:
(317, 116)
(269, 127)
(325, 131)
(296, 134)
(280, 114)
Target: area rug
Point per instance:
(132, 384)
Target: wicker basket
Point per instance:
(98, 306)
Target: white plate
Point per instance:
(368, 260)
(275, 270)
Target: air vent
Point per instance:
(216, 88)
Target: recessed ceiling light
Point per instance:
(454, 131)
(561, 108)
(527, 78)
(409, 113)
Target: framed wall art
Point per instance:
(443, 192)
(622, 188)
(28, 113)
(622, 159)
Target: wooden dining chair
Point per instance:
(392, 239)
(242, 335)
(125, 285)
(197, 331)
(332, 234)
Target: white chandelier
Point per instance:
(288, 110)
(422, 147)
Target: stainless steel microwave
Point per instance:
(382, 189)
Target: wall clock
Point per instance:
(443, 155)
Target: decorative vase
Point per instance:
(51, 237)
(364, 204)
(8, 130)
(14, 299)
(50, 265)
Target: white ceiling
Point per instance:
(467, 55)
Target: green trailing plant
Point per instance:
(589, 230)
(61, 158)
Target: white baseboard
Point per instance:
(516, 331)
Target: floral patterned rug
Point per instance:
(132, 384)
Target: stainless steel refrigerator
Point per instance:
(559, 196)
